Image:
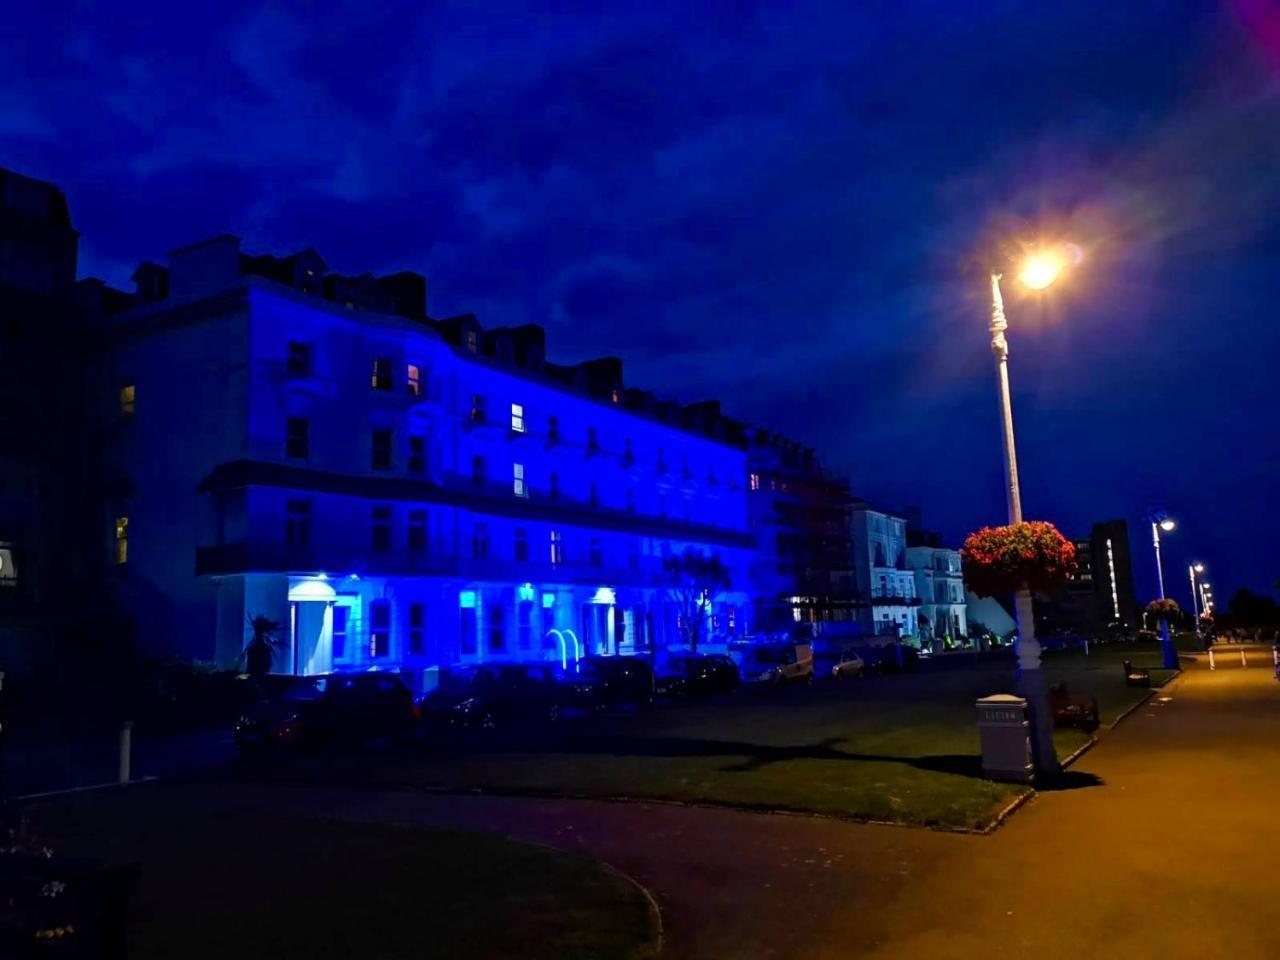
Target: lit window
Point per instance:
(755, 481)
(381, 530)
(122, 539)
(417, 453)
(381, 379)
(480, 541)
(417, 625)
(417, 529)
(557, 548)
(297, 523)
(616, 395)
(299, 359)
(379, 628)
(381, 459)
(517, 480)
(413, 377)
(520, 548)
(127, 397)
(517, 418)
(297, 442)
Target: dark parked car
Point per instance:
(333, 708)
(494, 694)
(599, 683)
(694, 676)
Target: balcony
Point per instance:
(233, 558)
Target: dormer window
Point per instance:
(616, 395)
(381, 379)
(472, 341)
(413, 379)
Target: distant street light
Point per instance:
(1037, 272)
(1160, 521)
(1193, 569)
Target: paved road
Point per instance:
(1169, 851)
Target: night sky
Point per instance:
(781, 207)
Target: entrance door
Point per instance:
(598, 629)
(311, 623)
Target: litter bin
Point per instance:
(1005, 732)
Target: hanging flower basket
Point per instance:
(999, 560)
(1165, 609)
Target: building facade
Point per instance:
(393, 490)
(886, 585)
(941, 617)
(1100, 594)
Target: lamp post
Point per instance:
(1037, 273)
(1192, 570)
(1158, 523)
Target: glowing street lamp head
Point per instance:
(1167, 524)
(1039, 270)
(1198, 567)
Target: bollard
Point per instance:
(126, 751)
(1243, 661)
(1086, 646)
(1211, 666)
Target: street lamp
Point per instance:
(1192, 570)
(1161, 521)
(1037, 272)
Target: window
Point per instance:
(524, 625)
(381, 528)
(379, 628)
(517, 480)
(496, 617)
(477, 470)
(557, 548)
(754, 481)
(413, 378)
(381, 459)
(341, 623)
(593, 441)
(517, 418)
(553, 430)
(595, 494)
(520, 547)
(417, 453)
(297, 440)
(477, 408)
(597, 554)
(417, 529)
(555, 486)
(128, 395)
(417, 625)
(480, 541)
(299, 359)
(615, 395)
(297, 523)
(122, 540)
(473, 341)
(381, 379)
(467, 631)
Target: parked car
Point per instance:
(599, 683)
(333, 708)
(494, 694)
(778, 663)
(840, 665)
(697, 676)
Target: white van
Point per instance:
(777, 663)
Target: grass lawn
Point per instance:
(221, 883)
(900, 748)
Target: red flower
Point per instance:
(1165, 609)
(1005, 559)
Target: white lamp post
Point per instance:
(1166, 643)
(1192, 570)
(1037, 273)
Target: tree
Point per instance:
(1252, 611)
(261, 649)
(694, 580)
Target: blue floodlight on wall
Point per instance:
(466, 598)
(548, 601)
(605, 595)
(526, 592)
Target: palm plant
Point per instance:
(261, 649)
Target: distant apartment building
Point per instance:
(799, 514)
(394, 490)
(1100, 593)
(889, 603)
(940, 587)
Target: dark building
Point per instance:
(1100, 594)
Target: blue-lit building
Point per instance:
(396, 491)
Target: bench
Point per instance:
(1078, 710)
(1136, 676)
